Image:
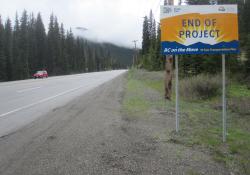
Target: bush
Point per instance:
(200, 87)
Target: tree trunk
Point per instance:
(168, 67)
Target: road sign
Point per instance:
(199, 29)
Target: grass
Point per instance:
(203, 128)
(134, 104)
(201, 123)
(140, 84)
(239, 90)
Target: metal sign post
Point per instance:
(177, 93)
(224, 105)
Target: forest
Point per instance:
(26, 47)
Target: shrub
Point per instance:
(200, 87)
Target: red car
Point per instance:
(41, 74)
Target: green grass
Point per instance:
(200, 122)
(134, 103)
(239, 90)
(154, 84)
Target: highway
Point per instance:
(22, 102)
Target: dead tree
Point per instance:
(168, 66)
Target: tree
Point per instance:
(151, 58)
(145, 36)
(24, 47)
(8, 48)
(70, 49)
(40, 36)
(2, 56)
(16, 52)
(63, 51)
(32, 46)
(51, 42)
(197, 2)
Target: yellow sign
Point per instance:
(201, 29)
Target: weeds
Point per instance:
(200, 87)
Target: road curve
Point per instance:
(22, 102)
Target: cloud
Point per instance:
(116, 21)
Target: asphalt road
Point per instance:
(22, 102)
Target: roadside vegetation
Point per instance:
(200, 120)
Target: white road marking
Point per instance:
(40, 101)
(29, 89)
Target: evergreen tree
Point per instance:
(24, 47)
(197, 2)
(151, 58)
(63, 51)
(51, 57)
(2, 56)
(16, 52)
(159, 58)
(58, 69)
(32, 47)
(70, 50)
(40, 36)
(145, 36)
(8, 48)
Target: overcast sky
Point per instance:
(116, 21)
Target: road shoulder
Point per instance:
(93, 135)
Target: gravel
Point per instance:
(90, 135)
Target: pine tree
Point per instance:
(24, 47)
(197, 2)
(40, 35)
(2, 55)
(70, 49)
(32, 47)
(145, 36)
(151, 58)
(58, 69)
(17, 64)
(63, 51)
(51, 56)
(8, 43)
(159, 57)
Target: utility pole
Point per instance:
(135, 56)
(168, 66)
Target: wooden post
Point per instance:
(168, 66)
